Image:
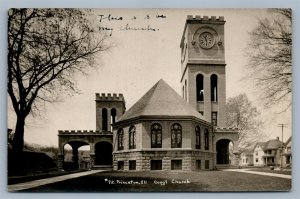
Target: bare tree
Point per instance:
(241, 113)
(270, 57)
(46, 47)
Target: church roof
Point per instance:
(160, 100)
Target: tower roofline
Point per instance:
(203, 20)
(110, 97)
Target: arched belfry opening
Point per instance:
(214, 87)
(113, 117)
(103, 153)
(113, 114)
(104, 119)
(223, 147)
(200, 87)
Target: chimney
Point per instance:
(277, 138)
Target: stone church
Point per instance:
(163, 130)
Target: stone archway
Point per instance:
(74, 163)
(222, 148)
(103, 153)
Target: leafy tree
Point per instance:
(241, 113)
(270, 56)
(46, 47)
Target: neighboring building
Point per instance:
(267, 153)
(287, 153)
(163, 131)
(258, 153)
(246, 158)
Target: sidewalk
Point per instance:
(36, 183)
(260, 173)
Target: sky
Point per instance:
(138, 59)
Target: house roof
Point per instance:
(160, 100)
(261, 144)
(273, 144)
(288, 141)
(247, 151)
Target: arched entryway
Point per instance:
(223, 151)
(73, 154)
(103, 153)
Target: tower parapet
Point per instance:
(205, 18)
(110, 97)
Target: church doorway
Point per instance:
(224, 151)
(103, 153)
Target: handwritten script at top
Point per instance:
(127, 23)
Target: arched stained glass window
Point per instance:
(176, 136)
(206, 139)
(132, 137)
(198, 137)
(156, 135)
(120, 139)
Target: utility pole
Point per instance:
(281, 155)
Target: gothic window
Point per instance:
(104, 119)
(214, 88)
(200, 87)
(176, 136)
(120, 139)
(206, 139)
(156, 135)
(198, 138)
(132, 137)
(214, 118)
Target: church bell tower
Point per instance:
(203, 67)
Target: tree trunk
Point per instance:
(18, 142)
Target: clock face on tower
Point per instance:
(206, 40)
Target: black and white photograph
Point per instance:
(149, 100)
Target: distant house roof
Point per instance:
(160, 100)
(273, 144)
(247, 151)
(261, 144)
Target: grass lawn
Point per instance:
(268, 170)
(168, 182)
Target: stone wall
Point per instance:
(143, 159)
